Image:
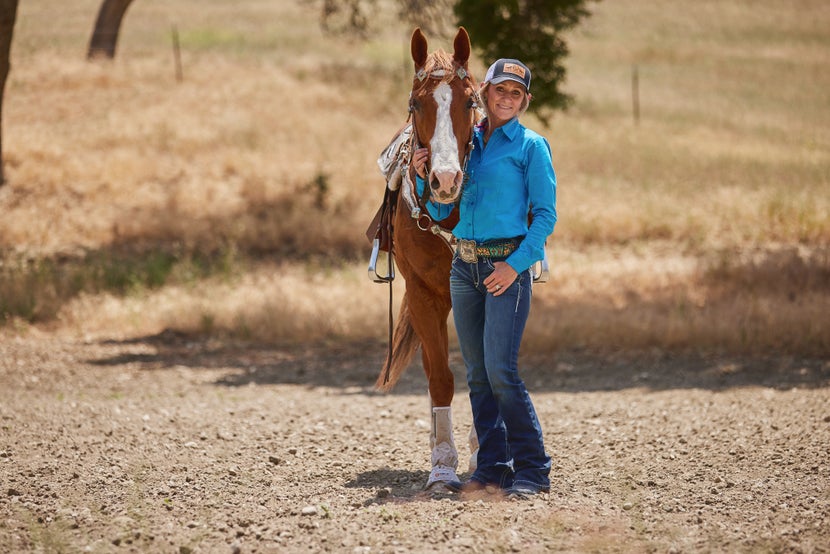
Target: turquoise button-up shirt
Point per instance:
(508, 178)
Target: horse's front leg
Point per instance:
(429, 319)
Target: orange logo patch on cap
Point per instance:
(514, 69)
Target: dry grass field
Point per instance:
(234, 202)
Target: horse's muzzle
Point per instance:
(445, 187)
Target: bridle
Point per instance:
(417, 206)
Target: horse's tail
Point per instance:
(404, 345)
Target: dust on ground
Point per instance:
(171, 444)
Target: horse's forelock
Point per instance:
(437, 61)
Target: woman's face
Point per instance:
(504, 101)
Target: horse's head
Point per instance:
(443, 107)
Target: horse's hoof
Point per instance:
(441, 475)
(454, 486)
(438, 488)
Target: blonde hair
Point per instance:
(482, 93)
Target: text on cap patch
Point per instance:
(514, 69)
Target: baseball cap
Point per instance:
(507, 69)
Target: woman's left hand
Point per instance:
(419, 160)
(500, 280)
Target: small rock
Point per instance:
(13, 492)
(274, 460)
(309, 511)
(185, 550)
(627, 506)
(384, 493)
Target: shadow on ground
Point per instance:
(399, 486)
(354, 366)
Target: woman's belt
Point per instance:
(470, 251)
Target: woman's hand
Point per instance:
(419, 160)
(500, 280)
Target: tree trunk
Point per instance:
(105, 34)
(8, 14)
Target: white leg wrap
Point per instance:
(444, 454)
(473, 438)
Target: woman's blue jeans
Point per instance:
(490, 328)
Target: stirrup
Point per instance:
(541, 269)
(373, 265)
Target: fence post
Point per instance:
(177, 56)
(635, 92)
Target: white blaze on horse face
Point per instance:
(446, 168)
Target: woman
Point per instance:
(511, 177)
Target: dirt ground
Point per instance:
(168, 444)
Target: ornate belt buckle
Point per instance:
(467, 251)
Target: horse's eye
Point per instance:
(471, 103)
(414, 106)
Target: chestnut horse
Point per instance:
(443, 111)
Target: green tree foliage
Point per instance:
(528, 30)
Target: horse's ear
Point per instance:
(461, 47)
(418, 47)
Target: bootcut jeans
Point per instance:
(511, 448)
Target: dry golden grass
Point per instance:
(705, 226)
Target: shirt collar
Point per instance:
(510, 129)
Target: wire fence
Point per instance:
(147, 24)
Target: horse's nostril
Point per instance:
(435, 184)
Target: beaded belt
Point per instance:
(469, 251)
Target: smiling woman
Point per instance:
(507, 95)
(506, 213)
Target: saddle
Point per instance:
(392, 162)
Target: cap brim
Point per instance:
(503, 78)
